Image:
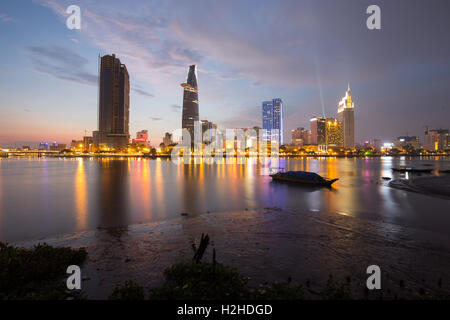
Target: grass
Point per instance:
(129, 291)
(200, 281)
(207, 281)
(36, 274)
(203, 281)
(336, 291)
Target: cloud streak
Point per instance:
(143, 92)
(61, 63)
(5, 18)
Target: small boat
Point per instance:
(303, 177)
(415, 170)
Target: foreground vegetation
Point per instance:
(197, 280)
(36, 274)
(39, 273)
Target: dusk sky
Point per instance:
(304, 52)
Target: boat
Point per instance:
(415, 170)
(303, 177)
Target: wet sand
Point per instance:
(430, 185)
(268, 245)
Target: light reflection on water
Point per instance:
(81, 196)
(45, 197)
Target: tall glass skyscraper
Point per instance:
(113, 104)
(190, 101)
(318, 131)
(272, 120)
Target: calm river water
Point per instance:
(44, 197)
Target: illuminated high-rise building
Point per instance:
(318, 131)
(346, 116)
(333, 135)
(267, 118)
(272, 120)
(113, 104)
(190, 101)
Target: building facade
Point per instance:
(141, 138)
(190, 102)
(376, 145)
(113, 105)
(88, 144)
(436, 140)
(407, 142)
(334, 133)
(167, 140)
(207, 131)
(301, 137)
(318, 131)
(346, 116)
(272, 120)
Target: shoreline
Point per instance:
(19, 155)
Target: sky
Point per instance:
(305, 52)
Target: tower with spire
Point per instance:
(190, 101)
(346, 115)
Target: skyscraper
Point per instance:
(272, 120)
(347, 117)
(333, 133)
(267, 119)
(190, 101)
(318, 131)
(113, 104)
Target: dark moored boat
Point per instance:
(416, 170)
(302, 177)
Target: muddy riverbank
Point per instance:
(438, 186)
(268, 245)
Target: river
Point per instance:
(44, 197)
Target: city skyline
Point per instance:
(57, 75)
